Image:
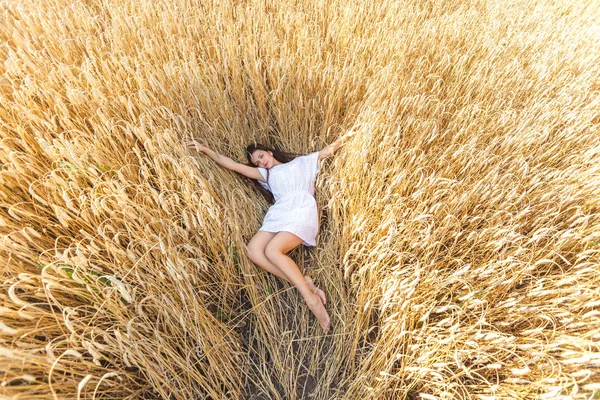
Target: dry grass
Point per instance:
(460, 237)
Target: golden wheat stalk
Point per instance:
(459, 243)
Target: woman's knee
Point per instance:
(255, 252)
(252, 251)
(272, 252)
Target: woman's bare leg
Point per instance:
(276, 251)
(256, 253)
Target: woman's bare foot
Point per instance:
(318, 309)
(315, 289)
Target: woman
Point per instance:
(292, 220)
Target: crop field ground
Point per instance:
(459, 241)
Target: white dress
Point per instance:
(295, 208)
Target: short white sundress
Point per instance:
(295, 208)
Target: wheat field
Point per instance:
(459, 243)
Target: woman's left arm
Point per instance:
(328, 150)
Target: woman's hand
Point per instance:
(329, 150)
(192, 144)
(342, 139)
(350, 133)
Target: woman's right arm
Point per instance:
(224, 161)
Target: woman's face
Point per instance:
(262, 159)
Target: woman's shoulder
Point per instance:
(308, 156)
(263, 172)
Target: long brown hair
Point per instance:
(279, 155)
